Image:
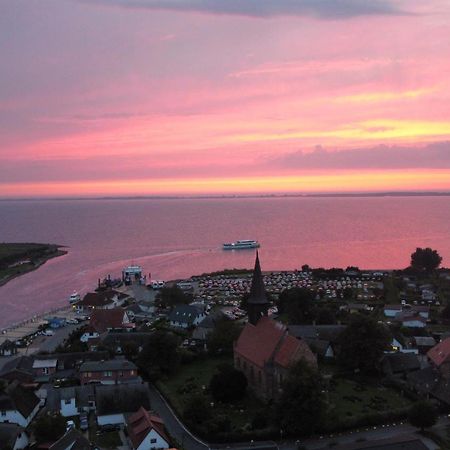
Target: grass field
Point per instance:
(194, 378)
(349, 399)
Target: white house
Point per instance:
(71, 401)
(18, 405)
(146, 431)
(185, 316)
(413, 322)
(89, 334)
(392, 310)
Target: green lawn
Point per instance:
(194, 378)
(349, 399)
(107, 440)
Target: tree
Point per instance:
(325, 316)
(170, 296)
(422, 415)
(445, 314)
(160, 355)
(197, 409)
(297, 304)
(425, 259)
(49, 428)
(362, 344)
(228, 384)
(222, 338)
(301, 406)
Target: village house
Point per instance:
(71, 401)
(264, 350)
(115, 403)
(109, 319)
(43, 369)
(439, 357)
(146, 431)
(114, 371)
(392, 310)
(100, 300)
(13, 437)
(8, 348)
(18, 405)
(399, 364)
(20, 369)
(118, 343)
(186, 316)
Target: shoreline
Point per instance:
(39, 262)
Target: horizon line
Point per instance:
(241, 196)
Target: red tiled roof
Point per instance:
(292, 349)
(102, 319)
(269, 339)
(440, 353)
(141, 423)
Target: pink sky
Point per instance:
(223, 96)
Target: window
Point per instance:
(3, 413)
(68, 401)
(107, 373)
(152, 441)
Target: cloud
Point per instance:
(431, 156)
(324, 9)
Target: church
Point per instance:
(264, 350)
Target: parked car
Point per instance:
(84, 424)
(72, 321)
(49, 333)
(70, 425)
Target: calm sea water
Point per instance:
(178, 238)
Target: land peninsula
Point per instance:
(19, 258)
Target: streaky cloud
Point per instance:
(323, 9)
(432, 156)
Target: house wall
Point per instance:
(110, 419)
(259, 380)
(21, 441)
(391, 312)
(69, 409)
(413, 324)
(116, 377)
(14, 416)
(147, 443)
(43, 371)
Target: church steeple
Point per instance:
(257, 303)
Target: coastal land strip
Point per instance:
(17, 259)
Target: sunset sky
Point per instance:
(182, 97)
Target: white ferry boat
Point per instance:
(74, 297)
(242, 244)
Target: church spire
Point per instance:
(257, 303)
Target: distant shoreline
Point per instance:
(18, 266)
(240, 196)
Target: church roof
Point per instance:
(257, 291)
(268, 341)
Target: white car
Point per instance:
(72, 321)
(49, 333)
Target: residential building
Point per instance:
(8, 348)
(439, 357)
(186, 316)
(19, 369)
(109, 319)
(114, 403)
(43, 369)
(100, 300)
(71, 401)
(114, 371)
(18, 405)
(146, 431)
